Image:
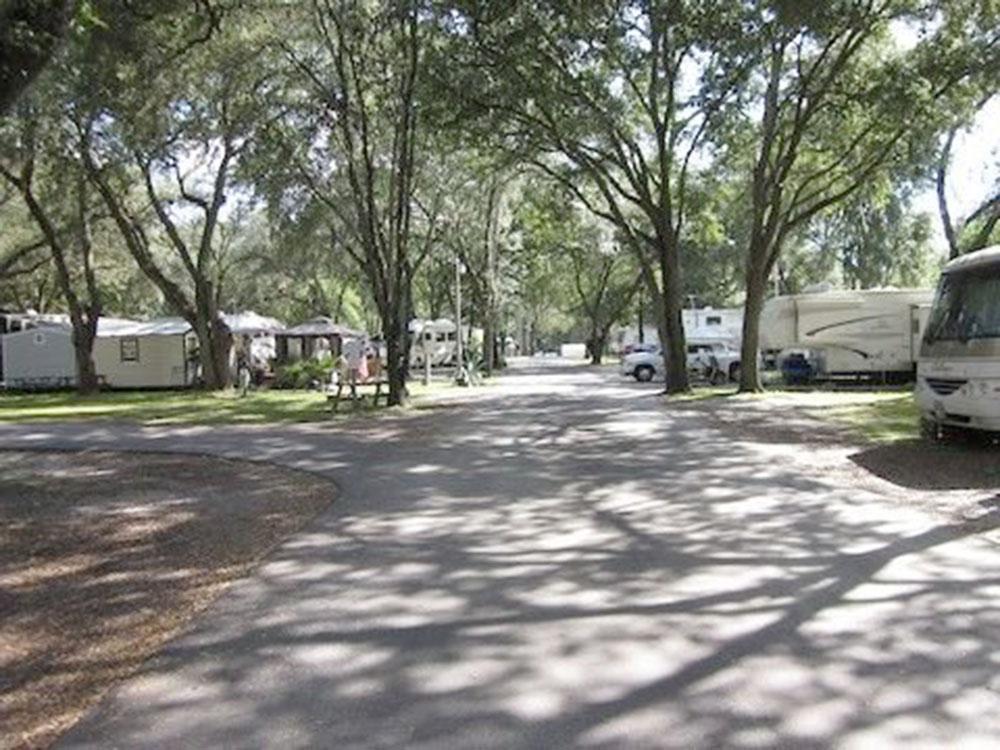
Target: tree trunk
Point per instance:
(941, 179)
(596, 345)
(756, 291)
(675, 345)
(83, 351)
(215, 342)
(489, 344)
(395, 353)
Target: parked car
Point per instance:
(637, 348)
(717, 360)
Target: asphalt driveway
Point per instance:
(559, 562)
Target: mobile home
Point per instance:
(958, 379)
(871, 333)
(151, 354)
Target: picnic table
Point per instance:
(335, 392)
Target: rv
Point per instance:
(860, 334)
(433, 340)
(958, 379)
(722, 324)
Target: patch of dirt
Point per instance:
(105, 557)
(954, 481)
(920, 464)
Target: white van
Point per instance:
(958, 379)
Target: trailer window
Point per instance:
(128, 349)
(967, 307)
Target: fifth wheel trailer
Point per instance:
(865, 334)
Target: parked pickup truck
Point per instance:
(715, 359)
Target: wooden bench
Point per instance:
(335, 392)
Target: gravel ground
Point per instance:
(104, 557)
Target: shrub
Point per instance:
(306, 373)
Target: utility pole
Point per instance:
(642, 323)
(459, 358)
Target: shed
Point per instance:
(38, 358)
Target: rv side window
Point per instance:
(713, 320)
(129, 349)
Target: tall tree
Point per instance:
(179, 144)
(35, 147)
(837, 106)
(360, 63)
(605, 283)
(612, 99)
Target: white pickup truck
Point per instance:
(716, 359)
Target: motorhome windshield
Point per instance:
(967, 306)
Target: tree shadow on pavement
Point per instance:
(559, 565)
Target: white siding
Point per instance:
(160, 364)
(37, 354)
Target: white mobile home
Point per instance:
(152, 354)
(160, 353)
(871, 332)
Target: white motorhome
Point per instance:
(869, 333)
(958, 379)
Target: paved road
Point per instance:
(564, 564)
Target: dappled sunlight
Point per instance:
(560, 561)
(103, 558)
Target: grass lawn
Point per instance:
(184, 407)
(882, 417)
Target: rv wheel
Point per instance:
(734, 372)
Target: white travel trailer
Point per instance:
(958, 379)
(722, 324)
(434, 339)
(870, 333)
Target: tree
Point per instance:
(31, 32)
(605, 283)
(35, 141)
(878, 242)
(974, 231)
(838, 106)
(182, 142)
(361, 63)
(611, 99)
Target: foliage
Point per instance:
(305, 373)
